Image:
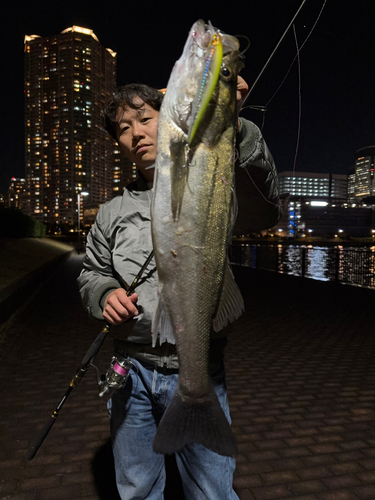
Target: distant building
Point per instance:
(317, 205)
(364, 174)
(320, 218)
(351, 186)
(68, 78)
(314, 185)
(124, 172)
(330, 221)
(16, 196)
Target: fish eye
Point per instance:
(226, 73)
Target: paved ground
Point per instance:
(301, 380)
(25, 264)
(19, 257)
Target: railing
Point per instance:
(354, 266)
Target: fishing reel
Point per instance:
(115, 377)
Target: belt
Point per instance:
(161, 356)
(165, 356)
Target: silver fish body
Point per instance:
(192, 217)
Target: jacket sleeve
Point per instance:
(256, 182)
(96, 280)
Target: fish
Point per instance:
(192, 215)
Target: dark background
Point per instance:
(337, 67)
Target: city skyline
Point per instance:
(337, 95)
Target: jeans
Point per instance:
(134, 414)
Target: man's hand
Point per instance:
(118, 307)
(242, 90)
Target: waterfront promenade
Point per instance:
(301, 382)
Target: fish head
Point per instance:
(202, 81)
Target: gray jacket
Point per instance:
(120, 240)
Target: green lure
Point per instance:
(208, 83)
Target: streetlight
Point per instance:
(79, 194)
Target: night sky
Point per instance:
(337, 67)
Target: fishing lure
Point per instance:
(208, 83)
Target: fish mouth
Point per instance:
(190, 97)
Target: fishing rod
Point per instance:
(273, 53)
(115, 377)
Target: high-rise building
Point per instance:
(124, 171)
(364, 174)
(68, 78)
(16, 196)
(351, 186)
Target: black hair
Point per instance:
(124, 98)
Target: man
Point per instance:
(117, 246)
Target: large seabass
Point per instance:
(192, 215)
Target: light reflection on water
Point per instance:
(318, 263)
(351, 265)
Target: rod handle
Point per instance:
(36, 444)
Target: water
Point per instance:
(349, 265)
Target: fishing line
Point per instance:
(274, 51)
(260, 192)
(298, 51)
(248, 44)
(297, 56)
(284, 202)
(299, 101)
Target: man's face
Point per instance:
(137, 136)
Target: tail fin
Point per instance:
(205, 423)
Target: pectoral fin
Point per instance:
(161, 326)
(231, 303)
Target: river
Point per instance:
(349, 265)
